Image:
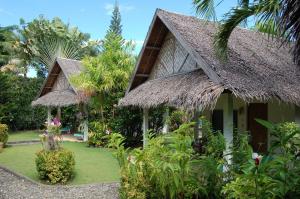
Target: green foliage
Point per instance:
(115, 23)
(275, 175)
(177, 118)
(16, 95)
(167, 168)
(97, 134)
(6, 42)
(55, 166)
(3, 133)
(41, 41)
(241, 151)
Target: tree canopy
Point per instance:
(115, 23)
(40, 41)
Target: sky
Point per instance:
(93, 16)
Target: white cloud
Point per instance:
(123, 8)
(5, 12)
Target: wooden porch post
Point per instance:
(85, 123)
(49, 115)
(166, 126)
(297, 114)
(198, 125)
(228, 125)
(145, 125)
(58, 115)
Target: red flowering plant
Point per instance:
(52, 136)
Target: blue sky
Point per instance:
(93, 16)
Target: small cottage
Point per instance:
(58, 92)
(178, 67)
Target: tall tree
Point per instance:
(6, 43)
(115, 23)
(275, 17)
(41, 41)
(107, 74)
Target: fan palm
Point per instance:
(274, 17)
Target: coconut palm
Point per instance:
(274, 17)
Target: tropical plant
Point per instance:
(108, 73)
(168, 168)
(274, 17)
(41, 41)
(274, 175)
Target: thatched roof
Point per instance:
(257, 67)
(66, 97)
(187, 90)
(57, 99)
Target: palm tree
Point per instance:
(274, 17)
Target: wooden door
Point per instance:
(258, 133)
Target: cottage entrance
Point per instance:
(258, 133)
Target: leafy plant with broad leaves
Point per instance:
(276, 175)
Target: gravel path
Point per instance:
(13, 186)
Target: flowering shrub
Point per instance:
(3, 133)
(54, 127)
(51, 137)
(55, 166)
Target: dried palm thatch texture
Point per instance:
(57, 90)
(187, 90)
(258, 68)
(60, 98)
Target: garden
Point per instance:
(83, 135)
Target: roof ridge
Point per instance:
(207, 21)
(68, 59)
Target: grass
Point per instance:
(23, 136)
(93, 165)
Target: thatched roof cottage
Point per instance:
(57, 90)
(177, 67)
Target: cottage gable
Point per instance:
(61, 83)
(172, 59)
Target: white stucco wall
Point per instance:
(277, 112)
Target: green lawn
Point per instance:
(93, 165)
(23, 136)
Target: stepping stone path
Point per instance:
(14, 186)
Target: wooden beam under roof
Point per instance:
(152, 47)
(142, 75)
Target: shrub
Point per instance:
(167, 168)
(98, 134)
(177, 118)
(55, 166)
(275, 175)
(3, 133)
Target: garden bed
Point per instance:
(93, 165)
